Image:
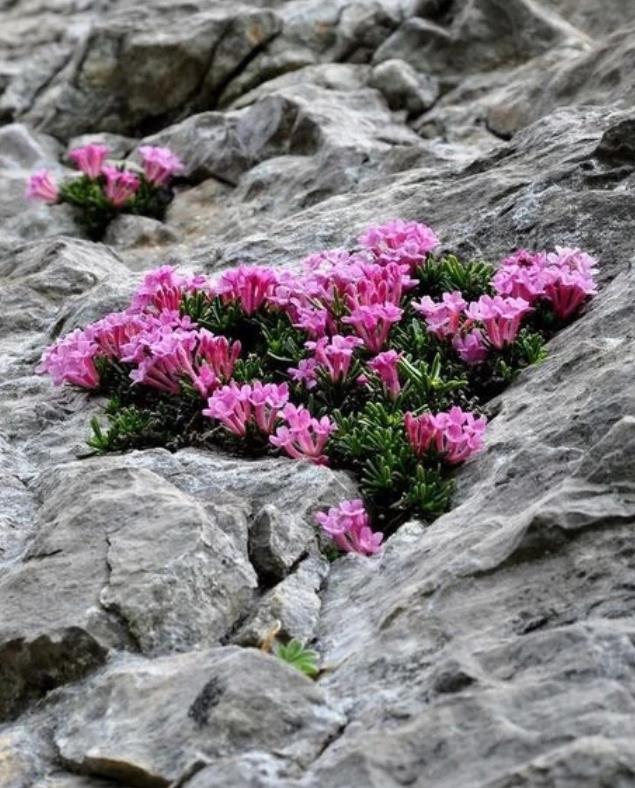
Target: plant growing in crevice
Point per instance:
(379, 360)
(106, 189)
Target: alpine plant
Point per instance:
(103, 188)
(379, 359)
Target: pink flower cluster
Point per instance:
(236, 407)
(250, 286)
(333, 355)
(120, 185)
(455, 435)
(167, 355)
(348, 525)
(160, 165)
(406, 243)
(453, 318)
(564, 278)
(303, 436)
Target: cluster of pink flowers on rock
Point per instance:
(346, 304)
(120, 184)
(348, 525)
(564, 278)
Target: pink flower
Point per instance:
(373, 323)
(334, 355)
(305, 373)
(171, 350)
(564, 277)
(114, 332)
(455, 435)
(236, 407)
(384, 366)
(442, 318)
(314, 321)
(303, 437)
(231, 405)
(521, 276)
(159, 164)
(268, 401)
(89, 159)
(72, 360)
(500, 316)
(163, 290)
(470, 348)
(121, 185)
(402, 242)
(377, 284)
(569, 280)
(41, 186)
(348, 526)
(170, 359)
(251, 285)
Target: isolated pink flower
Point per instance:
(500, 316)
(121, 185)
(159, 164)
(89, 159)
(569, 280)
(348, 525)
(442, 318)
(385, 366)
(72, 360)
(42, 187)
(400, 242)
(334, 355)
(455, 435)
(373, 323)
(303, 437)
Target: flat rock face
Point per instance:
(493, 649)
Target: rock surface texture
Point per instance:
(493, 649)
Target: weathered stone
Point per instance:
(141, 66)
(149, 722)
(481, 35)
(494, 648)
(277, 541)
(292, 607)
(21, 153)
(130, 232)
(403, 88)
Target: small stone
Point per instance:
(403, 87)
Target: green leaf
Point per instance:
(295, 654)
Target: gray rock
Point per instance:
(141, 66)
(291, 608)
(22, 152)
(403, 88)
(129, 232)
(482, 35)
(494, 648)
(152, 721)
(277, 541)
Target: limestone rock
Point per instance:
(494, 648)
(403, 87)
(149, 722)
